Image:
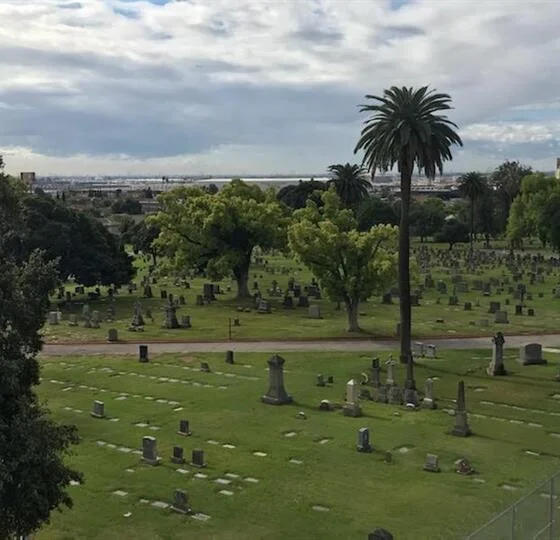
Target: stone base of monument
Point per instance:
(181, 510)
(429, 403)
(352, 409)
(277, 400)
(149, 461)
(461, 428)
(496, 371)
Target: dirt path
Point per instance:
(77, 349)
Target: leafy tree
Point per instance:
(83, 246)
(126, 206)
(427, 217)
(142, 236)
(296, 196)
(487, 214)
(507, 180)
(33, 476)
(212, 189)
(350, 182)
(405, 129)
(351, 265)
(375, 211)
(472, 185)
(218, 233)
(529, 213)
(454, 231)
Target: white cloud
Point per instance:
(263, 85)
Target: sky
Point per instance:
(217, 87)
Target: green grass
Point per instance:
(361, 490)
(211, 322)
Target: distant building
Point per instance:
(28, 178)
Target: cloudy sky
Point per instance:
(265, 86)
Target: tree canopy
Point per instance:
(83, 246)
(296, 196)
(217, 233)
(350, 265)
(350, 182)
(33, 475)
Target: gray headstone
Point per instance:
(352, 404)
(98, 410)
(143, 353)
(229, 357)
(178, 457)
(314, 311)
(461, 428)
(197, 459)
(184, 428)
(112, 335)
(149, 451)
(363, 440)
(181, 502)
(428, 402)
(432, 463)
(320, 380)
(276, 393)
(530, 354)
(501, 317)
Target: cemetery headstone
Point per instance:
(428, 402)
(461, 428)
(380, 534)
(363, 441)
(197, 459)
(205, 367)
(184, 428)
(276, 393)
(112, 335)
(432, 463)
(229, 357)
(531, 354)
(496, 367)
(501, 317)
(352, 405)
(320, 380)
(314, 311)
(98, 410)
(143, 353)
(181, 502)
(375, 379)
(178, 455)
(149, 451)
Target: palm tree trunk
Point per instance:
(404, 264)
(472, 228)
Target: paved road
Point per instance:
(550, 341)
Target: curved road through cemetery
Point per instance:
(79, 349)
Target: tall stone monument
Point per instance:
(276, 394)
(352, 405)
(496, 367)
(461, 428)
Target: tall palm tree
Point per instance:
(350, 182)
(472, 185)
(405, 129)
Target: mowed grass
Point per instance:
(360, 491)
(212, 322)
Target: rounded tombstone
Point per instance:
(380, 534)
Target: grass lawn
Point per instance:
(211, 322)
(356, 492)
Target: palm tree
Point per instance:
(350, 182)
(404, 129)
(472, 185)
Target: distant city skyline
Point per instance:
(167, 87)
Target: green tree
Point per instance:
(453, 232)
(350, 265)
(375, 211)
(33, 475)
(529, 212)
(218, 233)
(126, 206)
(296, 195)
(472, 186)
(83, 246)
(406, 129)
(427, 217)
(142, 236)
(350, 182)
(487, 215)
(507, 180)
